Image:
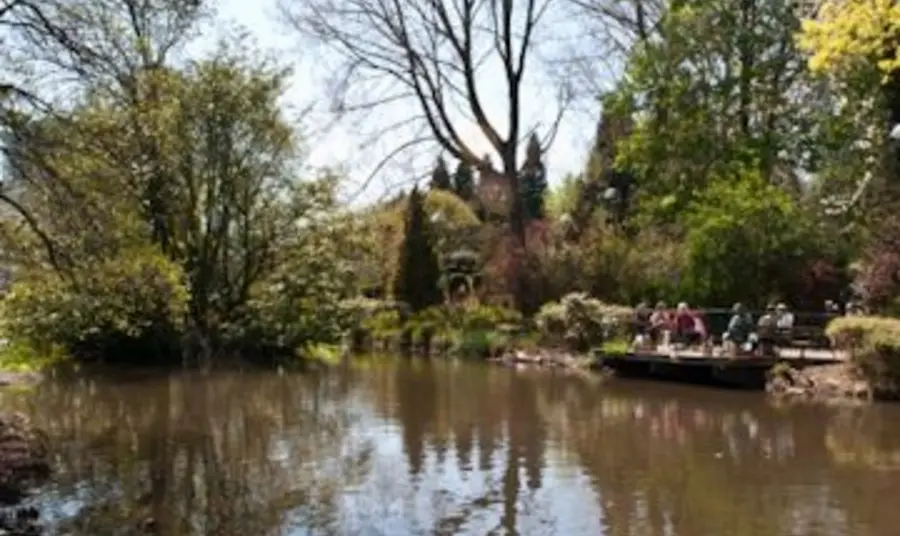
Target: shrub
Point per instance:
(583, 322)
(481, 343)
(138, 296)
(428, 323)
(873, 344)
(488, 317)
(384, 325)
(551, 321)
(358, 313)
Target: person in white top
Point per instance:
(784, 317)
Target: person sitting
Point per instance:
(660, 322)
(740, 327)
(641, 323)
(686, 326)
(784, 323)
(766, 330)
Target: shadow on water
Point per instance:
(419, 447)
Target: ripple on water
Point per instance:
(426, 448)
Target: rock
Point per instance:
(859, 390)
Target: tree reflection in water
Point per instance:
(223, 454)
(431, 447)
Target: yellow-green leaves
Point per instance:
(847, 33)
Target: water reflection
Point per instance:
(418, 447)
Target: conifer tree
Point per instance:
(534, 180)
(418, 275)
(464, 182)
(440, 176)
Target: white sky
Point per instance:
(342, 148)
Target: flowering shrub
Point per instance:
(582, 322)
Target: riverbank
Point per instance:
(821, 383)
(545, 358)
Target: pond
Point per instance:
(401, 447)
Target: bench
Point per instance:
(804, 337)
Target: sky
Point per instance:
(350, 147)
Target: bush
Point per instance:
(383, 325)
(551, 321)
(488, 317)
(481, 343)
(873, 344)
(134, 298)
(583, 322)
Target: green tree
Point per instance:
(725, 88)
(440, 176)
(748, 241)
(534, 180)
(464, 182)
(418, 275)
(199, 168)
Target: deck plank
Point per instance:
(697, 357)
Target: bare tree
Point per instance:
(432, 53)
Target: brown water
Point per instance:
(398, 447)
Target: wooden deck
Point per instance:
(705, 367)
(698, 357)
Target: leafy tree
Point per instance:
(440, 176)
(534, 180)
(843, 35)
(747, 241)
(562, 200)
(851, 42)
(464, 182)
(418, 276)
(199, 169)
(725, 88)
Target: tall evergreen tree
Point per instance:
(534, 180)
(418, 275)
(464, 182)
(440, 176)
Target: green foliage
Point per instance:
(717, 95)
(481, 343)
(744, 239)
(22, 356)
(139, 296)
(873, 344)
(610, 264)
(384, 325)
(582, 322)
(486, 317)
(534, 180)
(464, 182)
(185, 220)
(562, 200)
(418, 275)
(302, 299)
(329, 354)
(440, 176)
